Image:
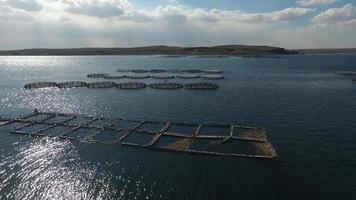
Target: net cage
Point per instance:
(204, 139)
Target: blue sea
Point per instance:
(308, 110)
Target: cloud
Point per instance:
(347, 12)
(27, 5)
(309, 3)
(180, 14)
(97, 8)
(7, 13)
(348, 24)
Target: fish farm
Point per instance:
(201, 139)
(201, 86)
(123, 85)
(131, 85)
(170, 71)
(166, 85)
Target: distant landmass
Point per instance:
(225, 50)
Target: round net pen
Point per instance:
(175, 71)
(114, 77)
(192, 71)
(201, 86)
(36, 85)
(139, 71)
(166, 85)
(123, 70)
(72, 84)
(213, 71)
(137, 77)
(191, 76)
(163, 77)
(131, 85)
(157, 71)
(99, 85)
(97, 75)
(213, 77)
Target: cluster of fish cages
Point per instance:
(183, 76)
(212, 71)
(123, 85)
(204, 139)
(201, 86)
(166, 85)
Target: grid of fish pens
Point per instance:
(209, 139)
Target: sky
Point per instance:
(129, 23)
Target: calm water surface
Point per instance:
(308, 110)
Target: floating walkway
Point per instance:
(204, 139)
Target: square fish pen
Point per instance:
(205, 139)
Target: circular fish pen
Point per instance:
(157, 71)
(99, 85)
(191, 76)
(174, 71)
(36, 85)
(139, 71)
(166, 85)
(213, 71)
(137, 76)
(192, 71)
(163, 77)
(97, 75)
(123, 70)
(201, 86)
(114, 77)
(131, 85)
(213, 77)
(72, 84)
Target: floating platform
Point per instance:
(37, 85)
(72, 84)
(97, 75)
(166, 85)
(103, 84)
(189, 76)
(198, 139)
(201, 86)
(131, 85)
(212, 77)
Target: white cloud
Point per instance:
(7, 13)
(309, 3)
(27, 5)
(347, 12)
(97, 8)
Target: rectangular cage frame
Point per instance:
(181, 142)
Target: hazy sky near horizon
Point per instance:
(125, 23)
